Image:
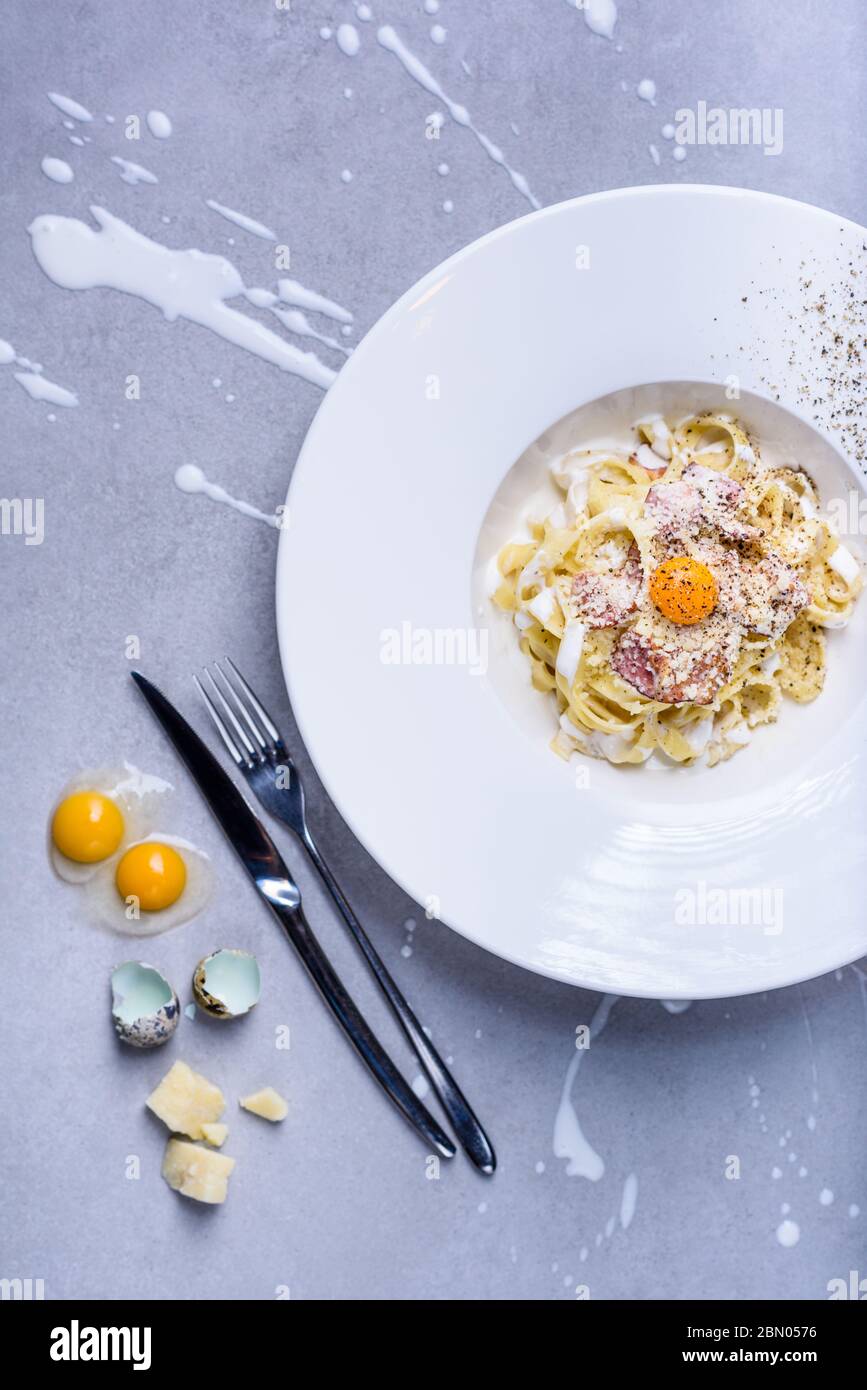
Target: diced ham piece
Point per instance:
(716, 488)
(675, 508)
(702, 497)
(608, 599)
(773, 595)
(666, 671)
(721, 496)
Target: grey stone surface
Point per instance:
(336, 1204)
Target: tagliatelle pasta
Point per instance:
(676, 593)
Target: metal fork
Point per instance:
(257, 748)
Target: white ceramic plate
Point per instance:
(666, 882)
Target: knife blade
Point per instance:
(273, 882)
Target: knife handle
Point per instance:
(466, 1125)
(282, 898)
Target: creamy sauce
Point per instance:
(569, 651)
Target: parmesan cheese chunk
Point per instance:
(215, 1134)
(267, 1103)
(185, 1101)
(196, 1172)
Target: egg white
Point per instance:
(142, 799)
(107, 908)
(139, 796)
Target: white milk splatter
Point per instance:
(390, 41)
(569, 1141)
(646, 90)
(628, 1201)
(788, 1233)
(39, 389)
(826, 1197)
(191, 479)
(293, 292)
(679, 153)
(182, 284)
(7, 353)
(654, 154)
(346, 175)
(347, 39)
(676, 1006)
(240, 219)
(298, 323)
(70, 107)
(600, 16)
(421, 1086)
(438, 34)
(812, 1053)
(159, 125)
(57, 170)
(133, 173)
(263, 299)
(76, 140)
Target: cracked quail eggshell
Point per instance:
(227, 983)
(144, 1009)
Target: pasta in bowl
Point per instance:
(677, 593)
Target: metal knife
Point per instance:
(276, 887)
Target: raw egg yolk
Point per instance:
(153, 873)
(684, 590)
(87, 827)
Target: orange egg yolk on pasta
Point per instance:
(684, 590)
(153, 873)
(87, 827)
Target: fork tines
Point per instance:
(235, 697)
